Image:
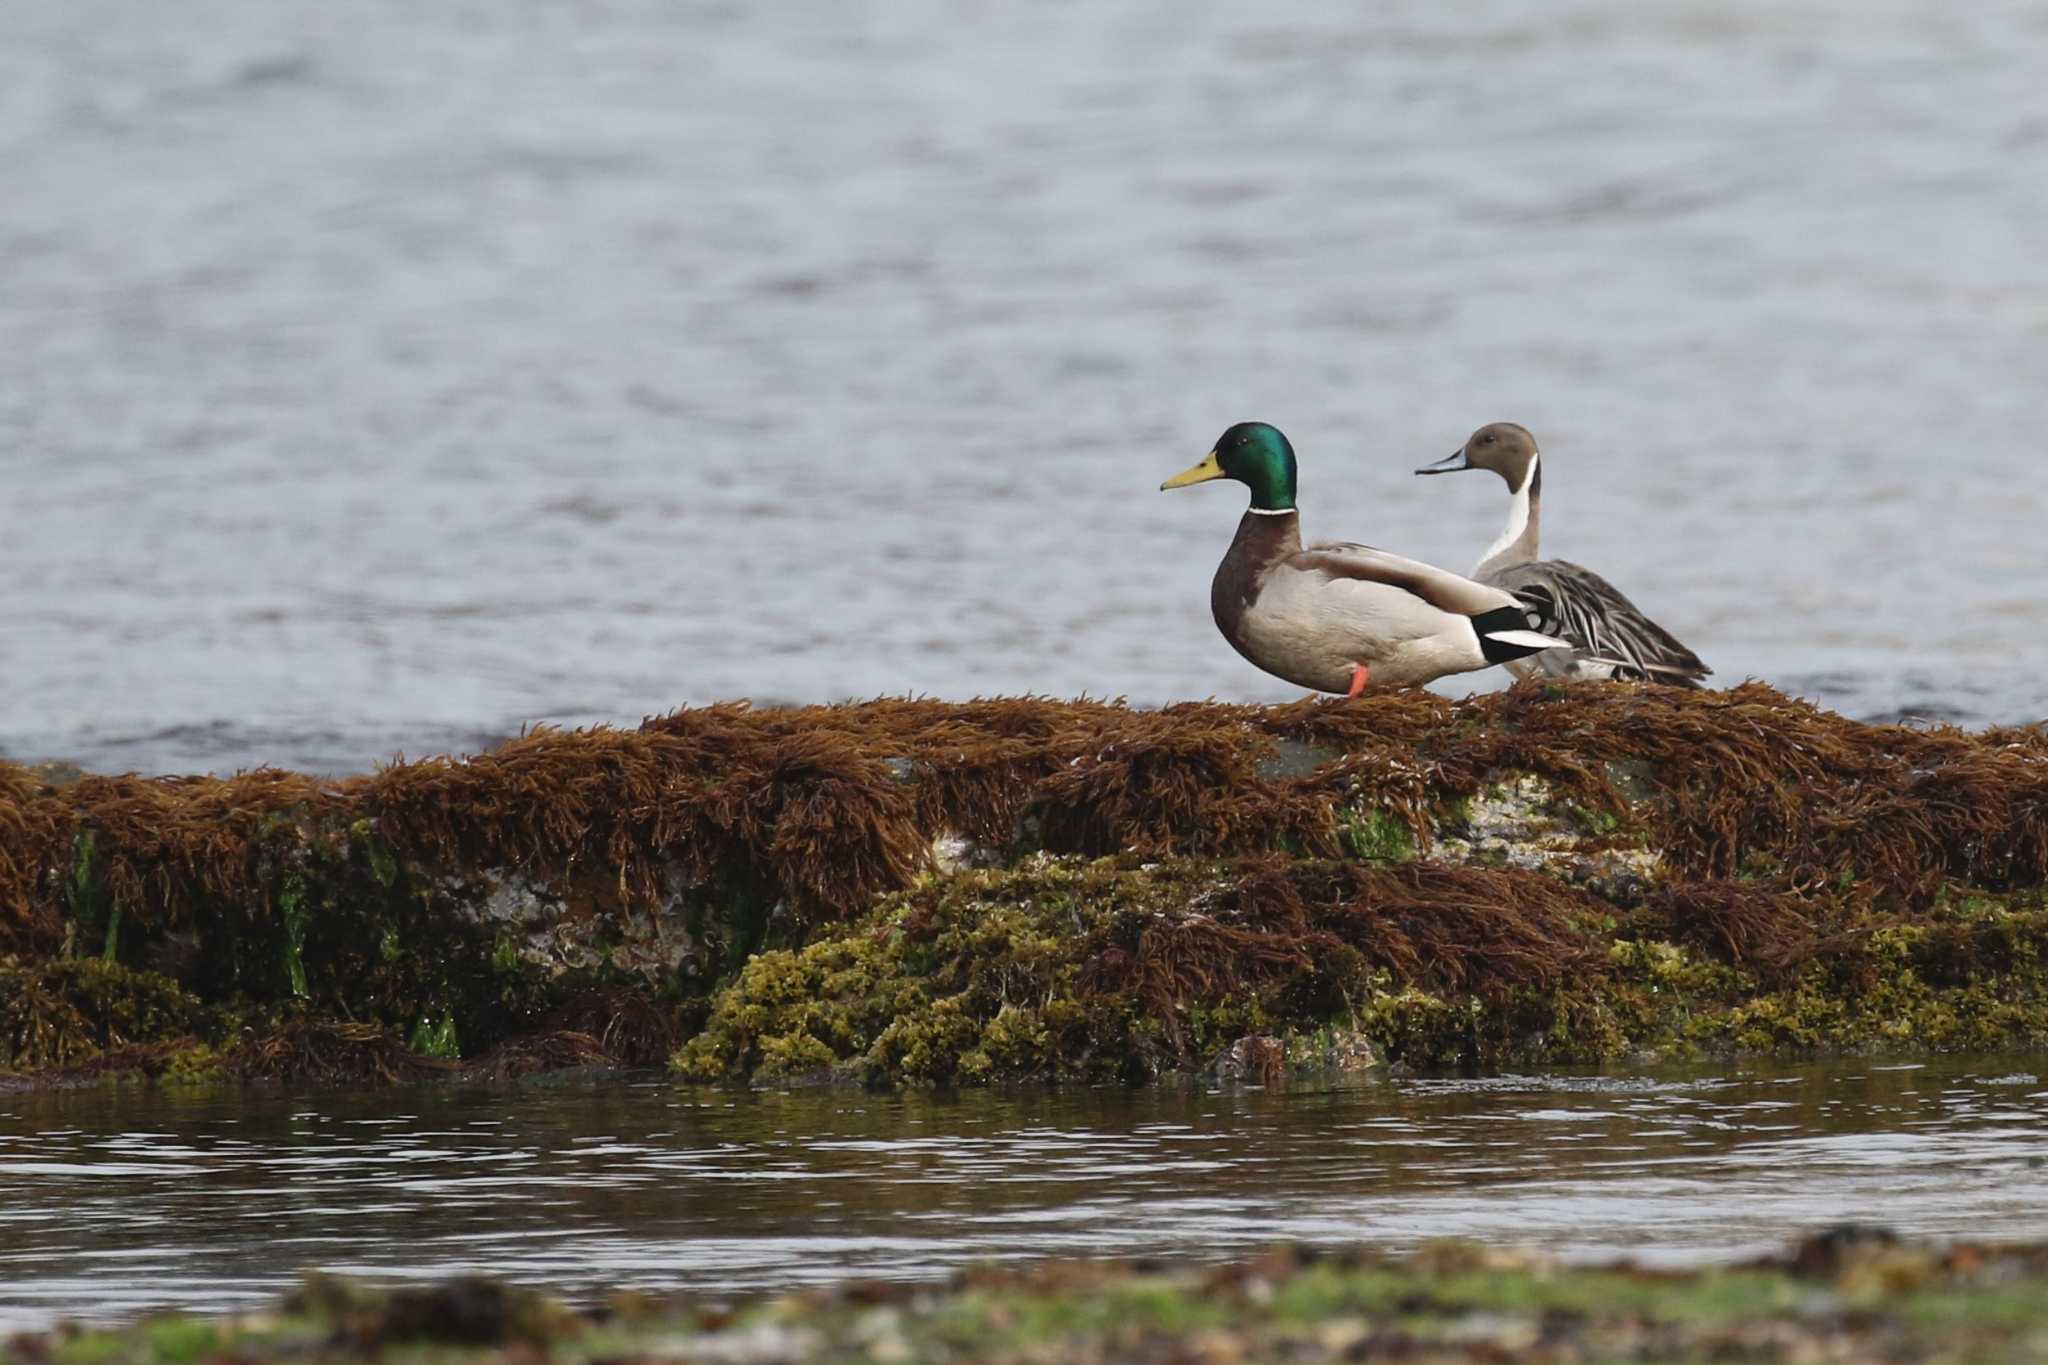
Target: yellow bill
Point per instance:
(1208, 469)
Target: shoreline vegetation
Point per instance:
(1847, 1294)
(907, 892)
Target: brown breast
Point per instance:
(1262, 541)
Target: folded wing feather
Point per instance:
(1603, 626)
(1440, 588)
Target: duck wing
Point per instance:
(1440, 588)
(1573, 602)
(1496, 613)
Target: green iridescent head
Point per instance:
(1254, 454)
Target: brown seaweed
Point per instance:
(1781, 841)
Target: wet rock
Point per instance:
(953, 853)
(1523, 823)
(57, 772)
(472, 1311)
(1256, 1060)
(1291, 758)
(1343, 1048)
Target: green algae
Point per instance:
(382, 858)
(975, 978)
(1112, 969)
(1376, 836)
(291, 904)
(59, 1013)
(1091, 970)
(200, 1064)
(436, 1037)
(1929, 986)
(91, 911)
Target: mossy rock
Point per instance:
(939, 893)
(60, 1013)
(1117, 969)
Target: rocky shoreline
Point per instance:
(1848, 1294)
(909, 892)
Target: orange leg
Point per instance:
(1359, 675)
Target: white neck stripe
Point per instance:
(1272, 511)
(1518, 521)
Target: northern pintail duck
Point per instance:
(1337, 615)
(1610, 637)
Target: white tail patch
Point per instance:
(1529, 638)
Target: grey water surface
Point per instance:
(117, 1201)
(381, 377)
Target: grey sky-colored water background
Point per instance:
(383, 376)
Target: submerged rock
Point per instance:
(1849, 1295)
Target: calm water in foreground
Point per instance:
(385, 375)
(113, 1202)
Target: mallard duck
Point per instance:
(1610, 637)
(1337, 615)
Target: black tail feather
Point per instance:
(1503, 618)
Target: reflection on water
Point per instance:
(389, 375)
(111, 1201)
